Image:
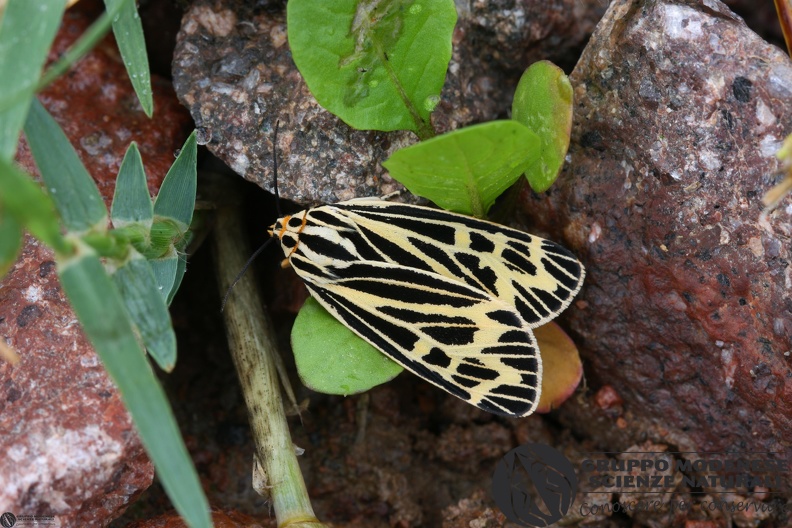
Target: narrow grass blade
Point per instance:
(146, 307)
(71, 187)
(101, 311)
(128, 33)
(181, 267)
(24, 199)
(131, 201)
(10, 240)
(27, 29)
(176, 199)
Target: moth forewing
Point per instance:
(449, 297)
(538, 277)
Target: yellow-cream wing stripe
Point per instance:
(459, 338)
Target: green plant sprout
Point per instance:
(119, 281)
(382, 65)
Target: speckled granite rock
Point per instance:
(686, 312)
(234, 71)
(68, 448)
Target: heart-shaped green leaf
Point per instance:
(334, 360)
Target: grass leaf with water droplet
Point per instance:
(71, 187)
(26, 33)
(128, 32)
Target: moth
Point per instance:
(451, 298)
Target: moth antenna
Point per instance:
(277, 208)
(275, 168)
(239, 276)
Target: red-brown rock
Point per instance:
(686, 310)
(67, 447)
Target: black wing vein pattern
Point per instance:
(459, 338)
(449, 297)
(536, 276)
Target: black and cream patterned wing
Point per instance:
(536, 276)
(460, 338)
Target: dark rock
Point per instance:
(473, 511)
(760, 17)
(234, 71)
(220, 519)
(685, 311)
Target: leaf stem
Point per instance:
(252, 344)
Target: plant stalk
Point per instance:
(252, 344)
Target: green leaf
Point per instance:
(147, 308)
(176, 198)
(543, 102)
(467, 169)
(100, 309)
(24, 199)
(332, 359)
(173, 210)
(71, 187)
(84, 44)
(181, 267)
(131, 201)
(27, 29)
(128, 32)
(10, 241)
(165, 270)
(375, 64)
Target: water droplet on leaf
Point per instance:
(431, 102)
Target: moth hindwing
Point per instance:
(451, 298)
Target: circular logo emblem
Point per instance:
(534, 485)
(7, 520)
